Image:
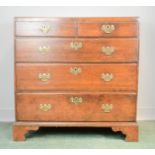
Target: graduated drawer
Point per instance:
(111, 77)
(53, 28)
(110, 29)
(75, 107)
(76, 50)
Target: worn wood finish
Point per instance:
(43, 102)
(95, 30)
(59, 50)
(62, 109)
(131, 132)
(19, 132)
(129, 129)
(55, 29)
(75, 27)
(124, 77)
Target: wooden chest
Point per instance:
(76, 72)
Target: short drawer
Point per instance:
(108, 77)
(75, 107)
(110, 29)
(45, 29)
(76, 50)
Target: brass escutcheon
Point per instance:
(44, 49)
(45, 28)
(75, 70)
(44, 76)
(45, 107)
(76, 45)
(107, 107)
(107, 76)
(108, 50)
(76, 100)
(107, 28)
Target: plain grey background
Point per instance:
(146, 96)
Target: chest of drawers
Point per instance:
(76, 72)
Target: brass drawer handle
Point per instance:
(45, 107)
(75, 70)
(108, 50)
(76, 100)
(45, 28)
(76, 45)
(44, 49)
(107, 76)
(44, 76)
(107, 28)
(107, 107)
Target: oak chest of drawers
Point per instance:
(76, 72)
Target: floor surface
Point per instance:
(79, 138)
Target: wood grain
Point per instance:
(129, 129)
(19, 132)
(27, 50)
(76, 27)
(124, 77)
(56, 29)
(121, 30)
(62, 109)
(131, 132)
(120, 92)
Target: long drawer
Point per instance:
(106, 77)
(76, 50)
(75, 107)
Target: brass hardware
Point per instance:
(44, 49)
(44, 76)
(76, 45)
(108, 28)
(75, 70)
(76, 100)
(107, 76)
(45, 28)
(45, 107)
(108, 50)
(107, 107)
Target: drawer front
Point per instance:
(76, 50)
(75, 107)
(45, 29)
(128, 29)
(108, 77)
